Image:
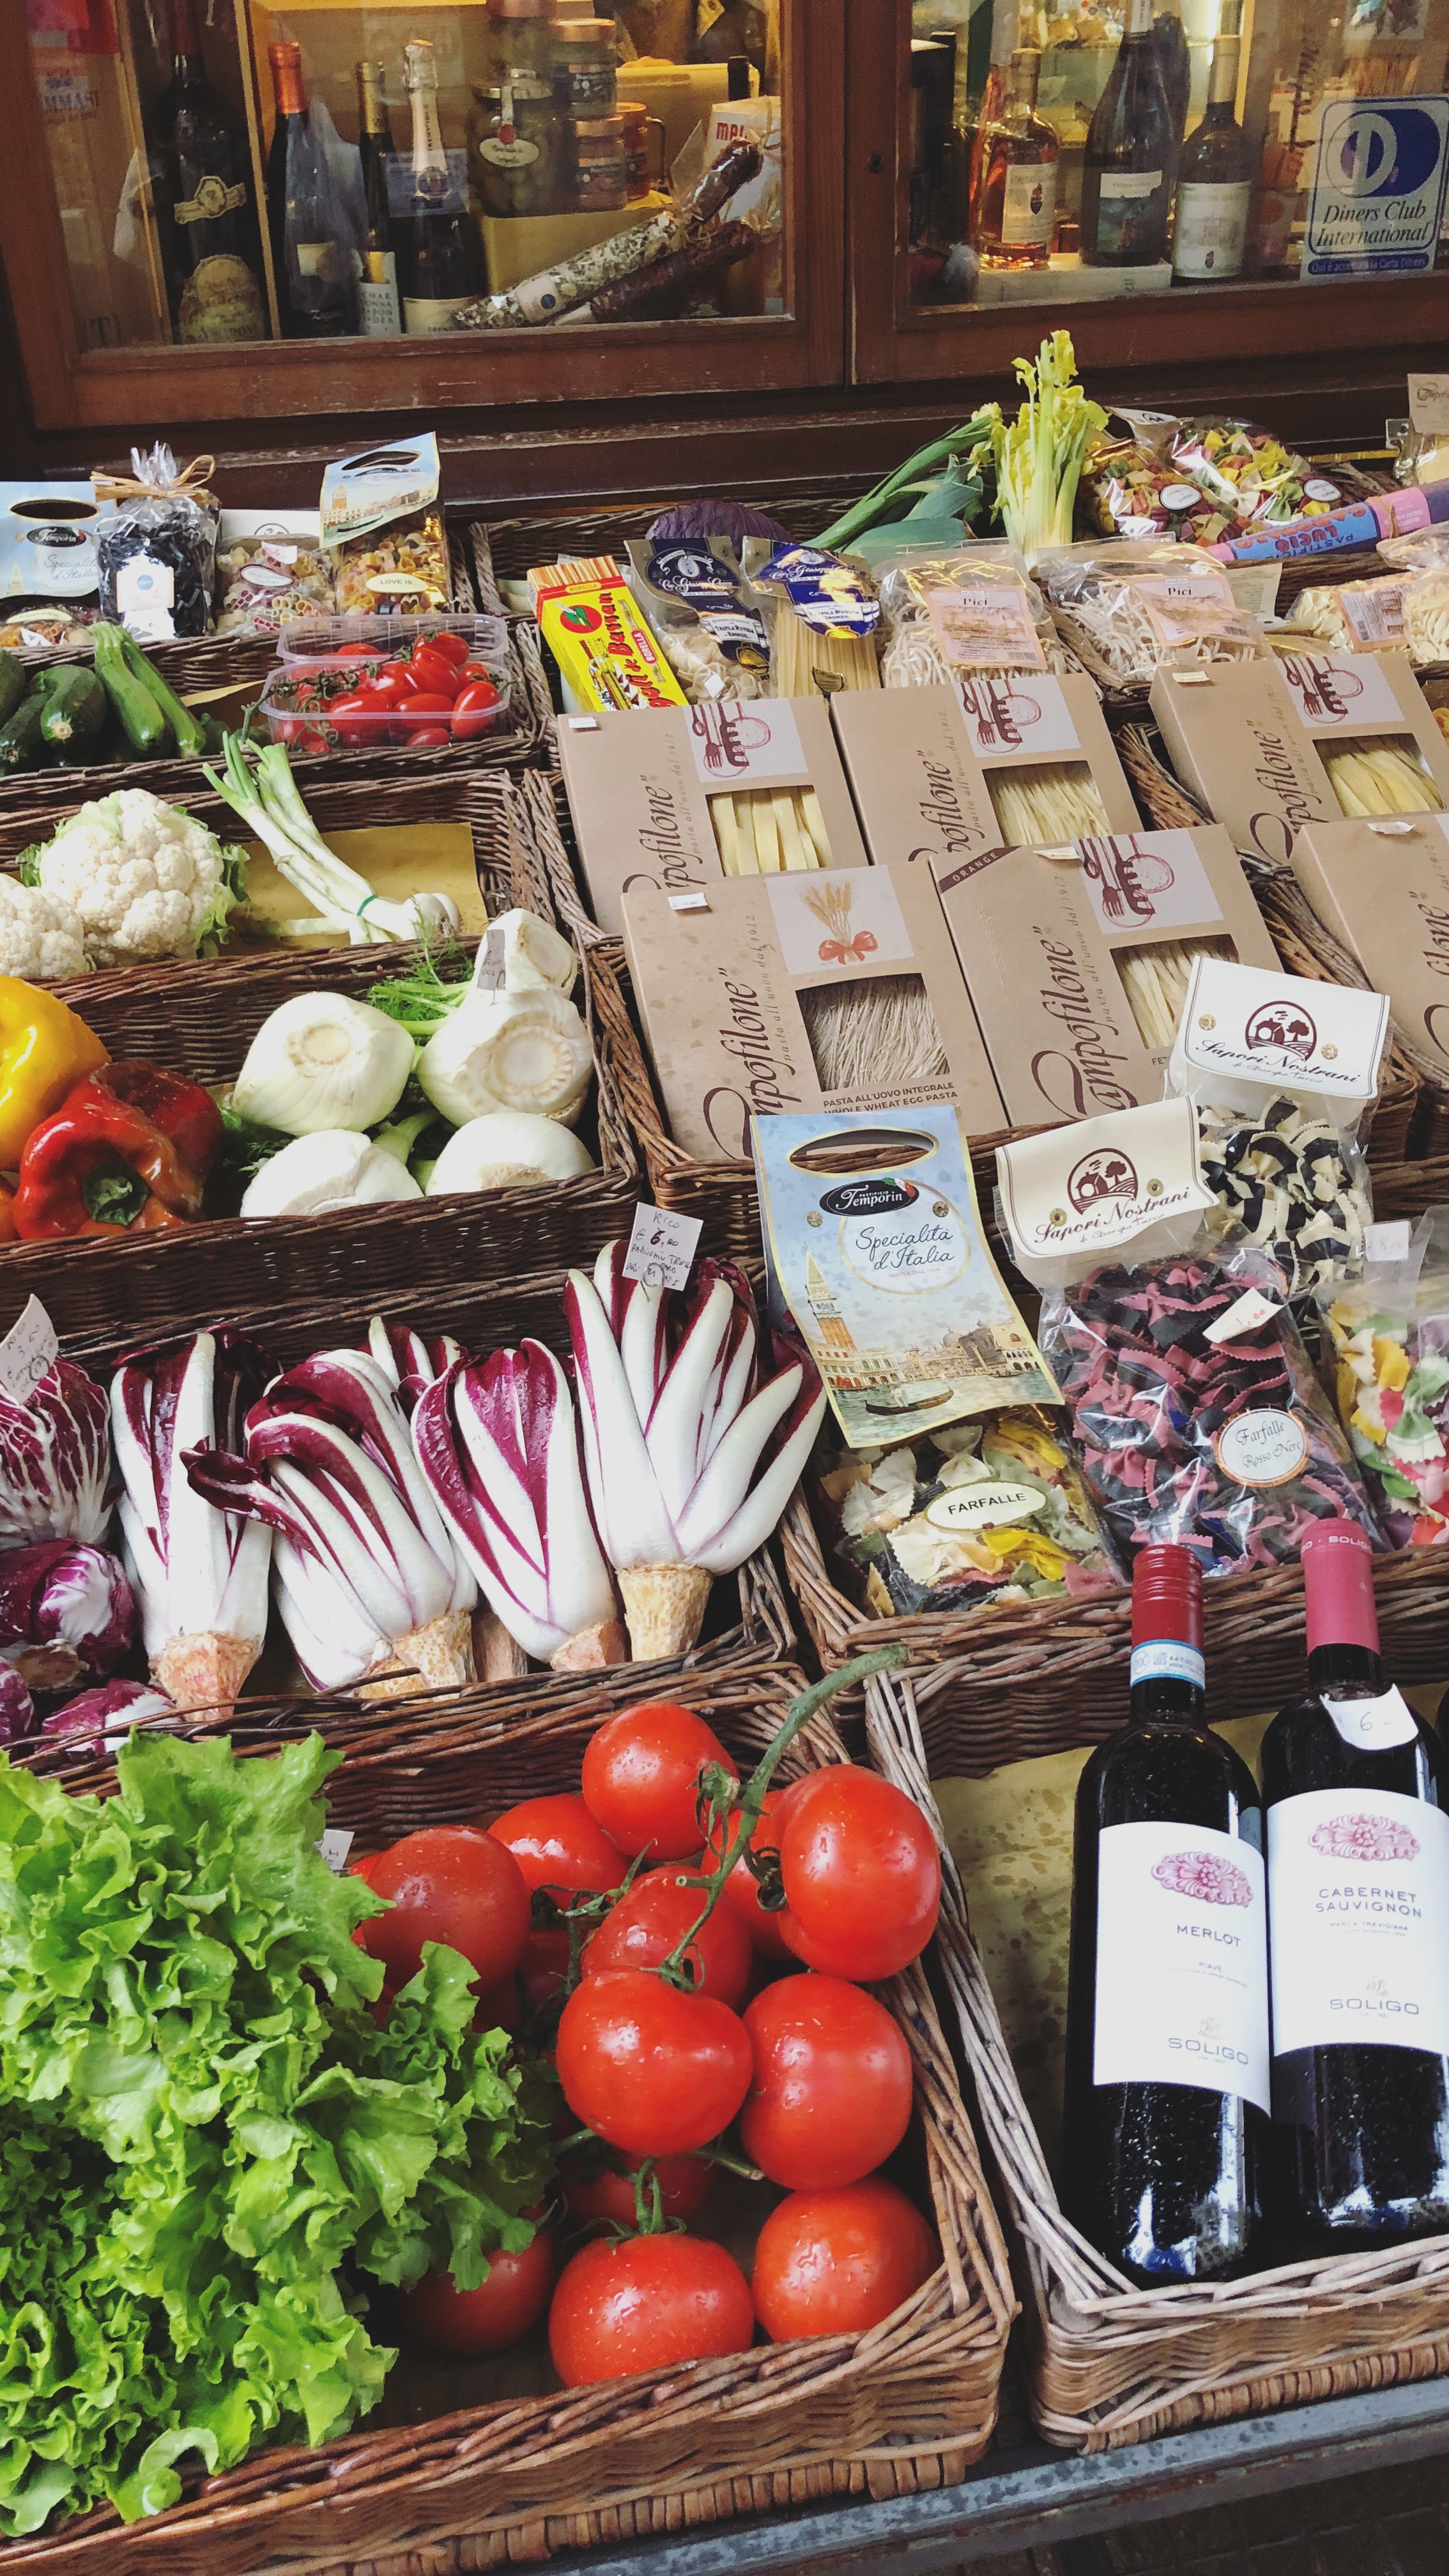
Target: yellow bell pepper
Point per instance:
(45, 1050)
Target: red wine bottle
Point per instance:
(1358, 1908)
(1167, 2007)
(211, 250)
(314, 265)
(1129, 166)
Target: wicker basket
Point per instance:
(506, 548)
(456, 2483)
(1110, 2364)
(1003, 1684)
(199, 1019)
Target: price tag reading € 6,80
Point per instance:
(28, 1352)
(662, 1245)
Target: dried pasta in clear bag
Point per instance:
(692, 593)
(973, 609)
(1145, 607)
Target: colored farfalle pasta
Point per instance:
(763, 832)
(1296, 1185)
(1389, 1351)
(1229, 1447)
(984, 1512)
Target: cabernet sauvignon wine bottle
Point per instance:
(1167, 2009)
(1358, 1906)
(1129, 165)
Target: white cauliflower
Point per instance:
(147, 880)
(40, 936)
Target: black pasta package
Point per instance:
(157, 553)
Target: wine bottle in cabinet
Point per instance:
(1166, 2125)
(1358, 1915)
(1129, 166)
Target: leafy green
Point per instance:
(972, 439)
(425, 997)
(245, 1145)
(206, 2142)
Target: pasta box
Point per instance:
(678, 798)
(837, 990)
(1076, 959)
(1382, 887)
(960, 767)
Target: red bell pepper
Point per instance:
(127, 1152)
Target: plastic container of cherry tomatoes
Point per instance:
(372, 683)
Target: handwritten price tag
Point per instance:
(488, 968)
(662, 1245)
(28, 1352)
(334, 1846)
(1429, 405)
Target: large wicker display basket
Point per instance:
(457, 2481)
(1110, 2364)
(199, 1019)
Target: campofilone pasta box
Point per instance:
(1077, 957)
(681, 797)
(959, 768)
(1382, 887)
(1273, 746)
(837, 990)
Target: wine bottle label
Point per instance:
(1129, 184)
(1166, 1659)
(431, 312)
(1360, 1881)
(1374, 1725)
(378, 310)
(213, 198)
(1029, 205)
(1212, 226)
(1182, 1962)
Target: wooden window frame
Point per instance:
(75, 389)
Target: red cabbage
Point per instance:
(55, 1457)
(17, 1708)
(105, 1716)
(735, 519)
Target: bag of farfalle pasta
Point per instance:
(982, 1512)
(1385, 1355)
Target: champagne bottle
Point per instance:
(435, 264)
(1214, 180)
(1167, 2000)
(1358, 1910)
(1130, 163)
(312, 260)
(378, 310)
(211, 250)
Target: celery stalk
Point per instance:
(1040, 455)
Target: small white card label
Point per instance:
(1251, 1310)
(1429, 405)
(1374, 1725)
(488, 970)
(1387, 1242)
(662, 1244)
(334, 1846)
(1262, 1448)
(696, 902)
(28, 1352)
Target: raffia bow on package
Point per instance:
(157, 554)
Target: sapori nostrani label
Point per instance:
(1264, 1448)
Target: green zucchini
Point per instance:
(13, 677)
(185, 724)
(22, 745)
(75, 706)
(146, 728)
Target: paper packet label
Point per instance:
(1283, 1031)
(1373, 612)
(1088, 1189)
(1016, 715)
(1147, 878)
(746, 741)
(824, 593)
(985, 626)
(1429, 405)
(364, 492)
(1349, 690)
(1180, 607)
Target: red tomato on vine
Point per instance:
(831, 2095)
(641, 1777)
(646, 2303)
(650, 2069)
(558, 1845)
(837, 2262)
(861, 1872)
(448, 1883)
(646, 1926)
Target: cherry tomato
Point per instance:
(650, 2069)
(543, 1967)
(428, 738)
(355, 652)
(308, 740)
(381, 692)
(434, 671)
(645, 1925)
(402, 672)
(831, 2094)
(474, 708)
(837, 2262)
(641, 1777)
(466, 2323)
(428, 702)
(861, 1871)
(742, 1889)
(607, 2198)
(646, 2303)
(449, 1884)
(557, 1845)
(453, 648)
(473, 671)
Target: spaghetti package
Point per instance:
(1282, 1073)
(1194, 1410)
(824, 618)
(692, 592)
(982, 1513)
(1144, 607)
(606, 655)
(976, 608)
(1386, 1343)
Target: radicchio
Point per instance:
(67, 1613)
(55, 1458)
(17, 1708)
(96, 1721)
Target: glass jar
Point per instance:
(637, 121)
(523, 33)
(517, 152)
(585, 66)
(601, 165)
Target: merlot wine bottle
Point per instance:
(1358, 1911)
(1167, 2007)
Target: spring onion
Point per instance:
(261, 791)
